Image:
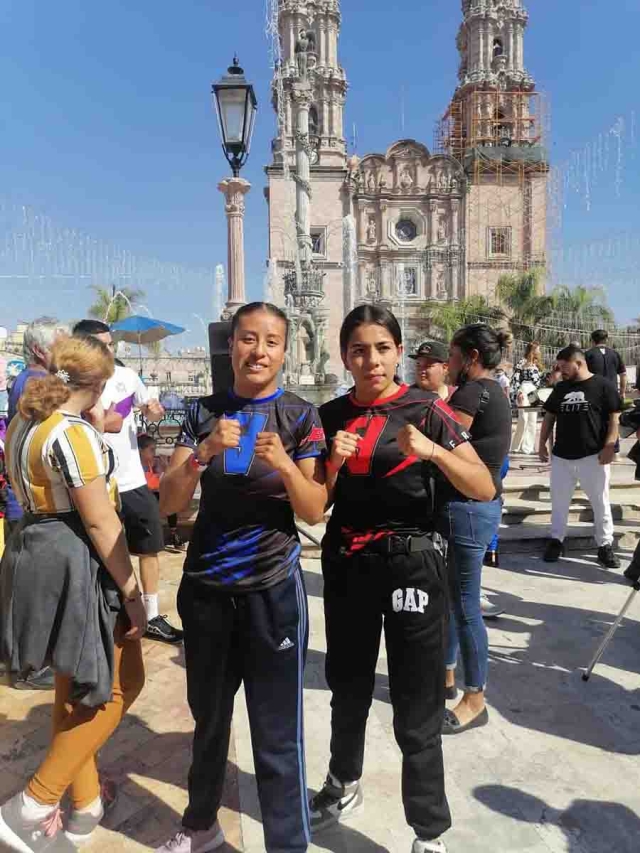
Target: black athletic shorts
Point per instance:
(141, 518)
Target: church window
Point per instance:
(318, 241)
(498, 47)
(406, 230)
(168, 376)
(499, 242)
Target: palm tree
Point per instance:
(445, 318)
(584, 307)
(113, 305)
(525, 306)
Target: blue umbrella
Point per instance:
(143, 330)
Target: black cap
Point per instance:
(435, 350)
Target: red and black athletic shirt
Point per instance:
(380, 490)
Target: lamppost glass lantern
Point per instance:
(236, 108)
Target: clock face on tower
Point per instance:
(313, 156)
(406, 230)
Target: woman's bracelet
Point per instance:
(196, 465)
(130, 599)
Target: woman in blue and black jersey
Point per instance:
(255, 450)
(382, 569)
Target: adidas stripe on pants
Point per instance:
(259, 638)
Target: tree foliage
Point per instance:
(113, 305)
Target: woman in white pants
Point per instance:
(527, 378)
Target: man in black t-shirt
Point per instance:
(604, 361)
(585, 410)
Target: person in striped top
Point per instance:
(68, 595)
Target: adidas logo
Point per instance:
(285, 644)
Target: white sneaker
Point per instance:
(334, 803)
(435, 846)
(489, 609)
(194, 841)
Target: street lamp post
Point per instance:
(236, 107)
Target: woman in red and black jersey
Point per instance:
(381, 567)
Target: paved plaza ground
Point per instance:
(556, 770)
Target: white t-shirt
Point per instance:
(126, 390)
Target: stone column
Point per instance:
(385, 281)
(303, 98)
(455, 221)
(433, 223)
(511, 46)
(482, 30)
(234, 190)
(384, 225)
(455, 278)
(488, 46)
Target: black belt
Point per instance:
(400, 545)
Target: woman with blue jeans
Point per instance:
(470, 526)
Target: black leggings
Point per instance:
(407, 595)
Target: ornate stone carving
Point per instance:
(371, 183)
(406, 180)
(372, 230)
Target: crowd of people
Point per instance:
(412, 476)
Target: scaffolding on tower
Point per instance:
(500, 138)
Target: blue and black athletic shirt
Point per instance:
(244, 536)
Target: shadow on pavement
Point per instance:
(539, 687)
(592, 825)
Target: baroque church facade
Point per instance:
(441, 224)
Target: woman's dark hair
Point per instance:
(252, 307)
(90, 327)
(490, 343)
(365, 315)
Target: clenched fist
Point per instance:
(345, 446)
(154, 411)
(270, 449)
(224, 436)
(413, 443)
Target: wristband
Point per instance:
(335, 469)
(196, 465)
(132, 598)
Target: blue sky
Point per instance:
(107, 123)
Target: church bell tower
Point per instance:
(319, 22)
(495, 128)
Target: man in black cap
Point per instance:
(431, 360)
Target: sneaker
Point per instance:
(160, 629)
(175, 545)
(334, 803)
(489, 609)
(553, 552)
(32, 836)
(41, 679)
(435, 846)
(194, 841)
(81, 825)
(492, 560)
(607, 558)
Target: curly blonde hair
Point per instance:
(76, 363)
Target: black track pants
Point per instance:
(406, 595)
(260, 638)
